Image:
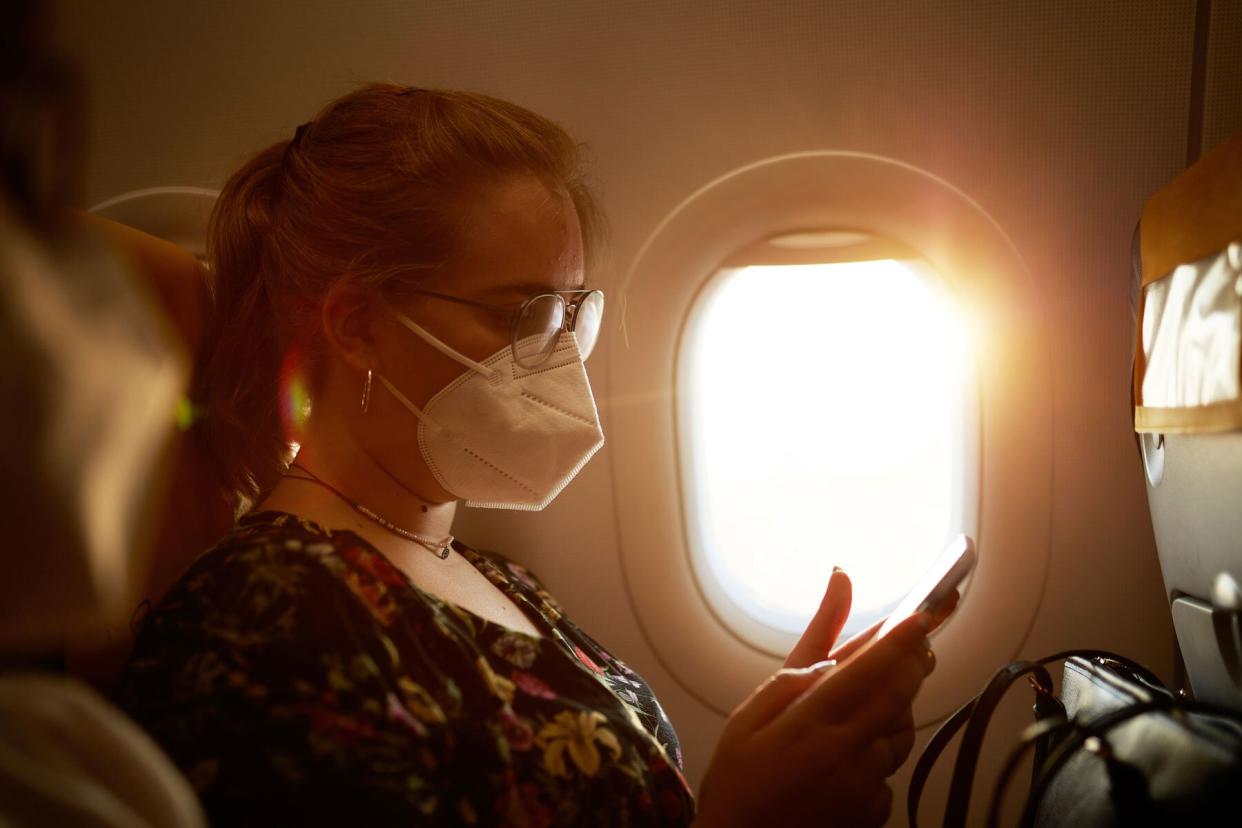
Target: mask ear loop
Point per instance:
(424, 335)
(404, 400)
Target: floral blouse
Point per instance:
(295, 674)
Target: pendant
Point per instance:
(443, 553)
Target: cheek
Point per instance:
(419, 372)
(475, 335)
(496, 339)
(472, 332)
(388, 429)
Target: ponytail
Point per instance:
(238, 381)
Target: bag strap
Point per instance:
(927, 760)
(975, 715)
(1036, 733)
(1104, 655)
(972, 739)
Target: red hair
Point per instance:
(370, 191)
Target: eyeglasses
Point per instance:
(537, 323)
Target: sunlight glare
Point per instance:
(824, 406)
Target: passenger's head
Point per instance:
(316, 240)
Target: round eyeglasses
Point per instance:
(536, 324)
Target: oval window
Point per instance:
(826, 417)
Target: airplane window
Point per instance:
(825, 419)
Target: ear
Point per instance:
(349, 317)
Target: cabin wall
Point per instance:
(1058, 117)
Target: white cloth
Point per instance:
(1192, 333)
(69, 758)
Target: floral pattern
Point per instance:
(295, 674)
(576, 734)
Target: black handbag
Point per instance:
(1115, 747)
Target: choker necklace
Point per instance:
(440, 547)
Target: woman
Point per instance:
(400, 291)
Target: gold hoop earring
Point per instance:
(366, 393)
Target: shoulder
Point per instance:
(269, 543)
(519, 575)
(272, 553)
(277, 604)
(274, 577)
(283, 676)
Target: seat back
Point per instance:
(161, 241)
(1187, 387)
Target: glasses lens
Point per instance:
(537, 329)
(587, 321)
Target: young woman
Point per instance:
(400, 291)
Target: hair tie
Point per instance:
(292, 145)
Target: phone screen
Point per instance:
(949, 570)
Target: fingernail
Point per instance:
(820, 666)
(926, 622)
(837, 569)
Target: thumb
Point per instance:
(821, 634)
(772, 697)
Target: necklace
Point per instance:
(439, 546)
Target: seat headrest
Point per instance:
(194, 514)
(169, 271)
(1196, 214)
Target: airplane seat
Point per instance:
(191, 515)
(1187, 390)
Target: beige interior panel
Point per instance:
(1058, 118)
(1222, 89)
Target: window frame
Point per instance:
(886, 198)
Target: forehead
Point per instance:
(518, 237)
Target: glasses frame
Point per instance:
(513, 314)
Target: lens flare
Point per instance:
(186, 413)
(295, 400)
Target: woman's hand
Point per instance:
(816, 643)
(816, 741)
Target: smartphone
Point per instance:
(944, 576)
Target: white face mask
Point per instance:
(505, 437)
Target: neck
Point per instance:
(339, 461)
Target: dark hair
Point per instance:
(370, 191)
